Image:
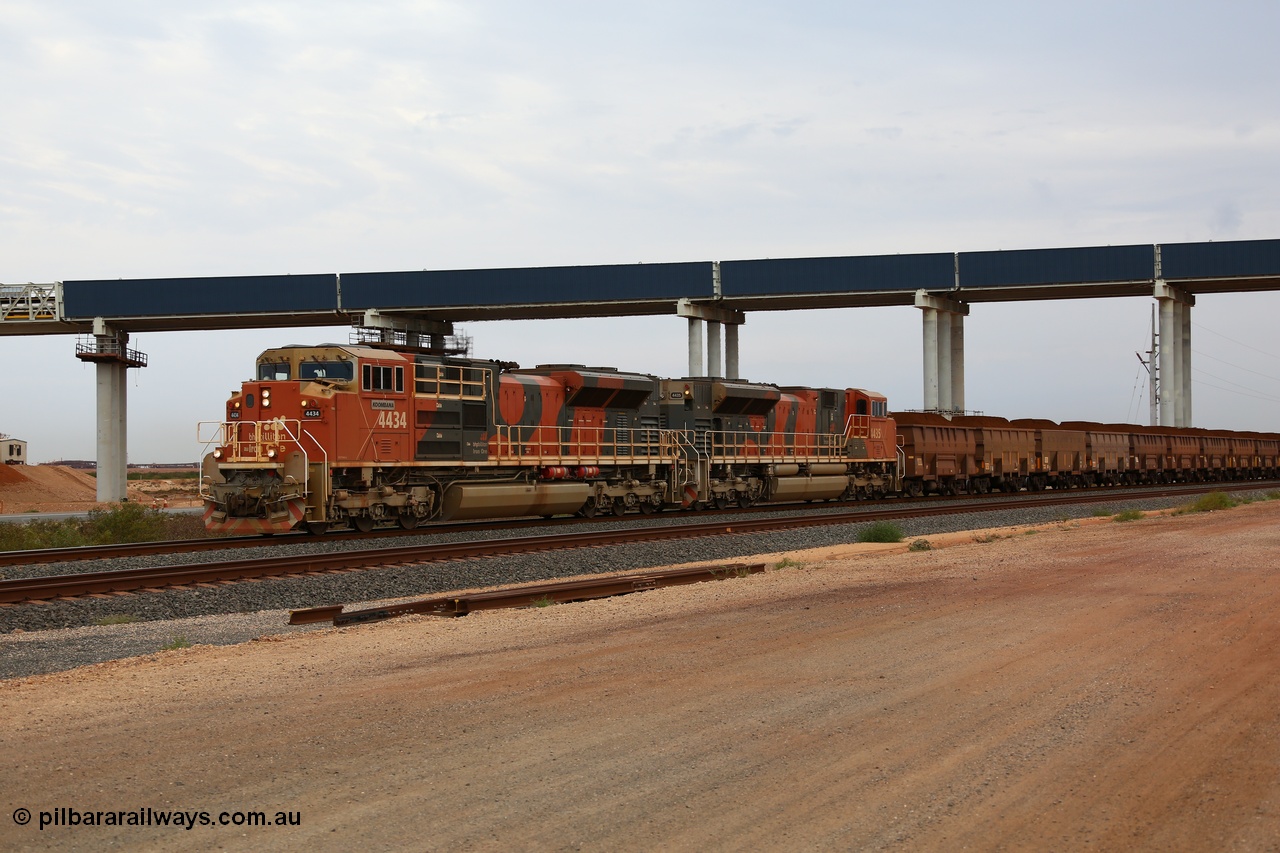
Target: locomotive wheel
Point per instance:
(317, 528)
(588, 509)
(363, 523)
(721, 503)
(745, 501)
(619, 507)
(648, 508)
(408, 520)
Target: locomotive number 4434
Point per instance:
(393, 420)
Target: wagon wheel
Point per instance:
(915, 488)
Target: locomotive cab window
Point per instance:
(343, 370)
(273, 371)
(376, 377)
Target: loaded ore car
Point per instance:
(1106, 452)
(363, 436)
(1267, 448)
(939, 455)
(1005, 453)
(1061, 455)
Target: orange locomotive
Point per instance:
(364, 435)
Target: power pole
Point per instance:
(1152, 364)
(1155, 370)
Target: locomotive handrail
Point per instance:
(248, 450)
(750, 446)
(556, 445)
(857, 426)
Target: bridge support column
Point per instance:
(714, 351)
(695, 346)
(943, 335)
(932, 394)
(108, 350)
(731, 351)
(957, 362)
(1175, 354)
(715, 319)
(113, 434)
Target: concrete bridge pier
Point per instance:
(1175, 354)
(108, 349)
(943, 335)
(721, 326)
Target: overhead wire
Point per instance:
(1240, 389)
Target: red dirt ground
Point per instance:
(1094, 687)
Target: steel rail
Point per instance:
(21, 590)
(181, 546)
(536, 595)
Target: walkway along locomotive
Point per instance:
(363, 436)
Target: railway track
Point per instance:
(187, 546)
(61, 587)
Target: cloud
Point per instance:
(153, 139)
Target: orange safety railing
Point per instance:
(578, 445)
(776, 447)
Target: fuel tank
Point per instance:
(504, 500)
(807, 488)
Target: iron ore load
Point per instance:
(356, 436)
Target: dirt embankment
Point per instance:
(1102, 687)
(53, 488)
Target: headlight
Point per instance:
(217, 454)
(271, 454)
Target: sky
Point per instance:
(153, 139)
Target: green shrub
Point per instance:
(1101, 513)
(1211, 502)
(787, 563)
(1128, 515)
(126, 522)
(920, 545)
(880, 531)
